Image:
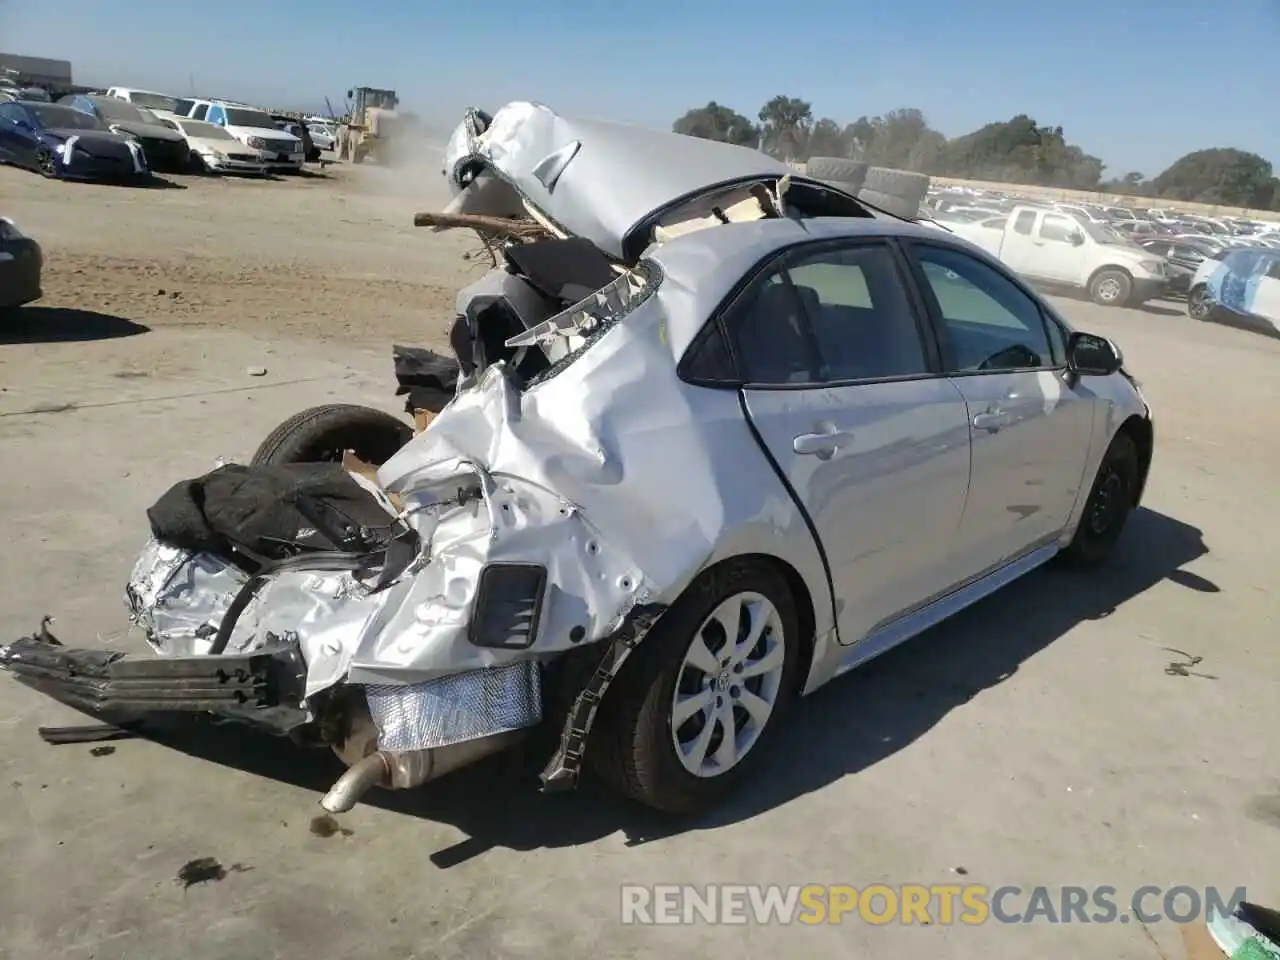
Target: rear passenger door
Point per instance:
(1031, 424)
(843, 389)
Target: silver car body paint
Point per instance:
(625, 481)
(597, 179)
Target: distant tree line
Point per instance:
(1015, 151)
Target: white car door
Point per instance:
(844, 392)
(1020, 246)
(1266, 296)
(1062, 250)
(1031, 423)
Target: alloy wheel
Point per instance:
(728, 684)
(1109, 290)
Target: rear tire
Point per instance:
(1111, 288)
(1110, 502)
(322, 434)
(634, 743)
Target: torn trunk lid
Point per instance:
(616, 184)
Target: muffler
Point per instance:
(411, 768)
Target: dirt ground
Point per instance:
(1052, 735)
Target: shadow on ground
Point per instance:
(1162, 309)
(849, 725)
(64, 325)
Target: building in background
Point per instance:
(53, 75)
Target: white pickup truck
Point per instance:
(1052, 248)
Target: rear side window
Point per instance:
(836, 315)
(1026, 220)
(200, 112)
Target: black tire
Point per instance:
(910, 188)
(46, 165)
(632, 746)
(847, 174)
(323, 434)
(897, 206)
(1111, 500)
(1111, 288)
(1199, 304)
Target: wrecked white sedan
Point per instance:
(715, 434)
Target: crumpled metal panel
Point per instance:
(614, 178)
(179, 598)
(464, 706)
(326, 612)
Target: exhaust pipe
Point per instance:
(412, 768)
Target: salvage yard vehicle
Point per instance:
(148, 99)
(370, 127)
(1058, 250)
(21, 261)
(714, 434)
(1241, 289)
(255, 128)
(165, 149)
(214, 150)
(61, 143)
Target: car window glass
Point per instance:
(771, 335)
(200, 112)
(1026, 220)
(988, 323)
(859, 313)
(1057, 228)
(10, 113)
(1273, 271)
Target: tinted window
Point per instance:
(1026, 220)
(55, 116)
(1273, 271)
(111, 109)
(1155, 246)
(988, 323)
(830, 316)
(1057, 228)
(11, 113)
(859, 313)
(200, 111)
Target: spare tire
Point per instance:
(323, 434)
(889, 203)
(910, 188)
(846, 174)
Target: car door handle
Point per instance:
(817, 444)
(991, 419)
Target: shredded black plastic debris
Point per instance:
(102, 751)
(93, 733)
(204, 869)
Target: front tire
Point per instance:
(1199, 305)
(322, 434)
(1111, 288)
(1110, 502)
(47, 165)
(689, 714)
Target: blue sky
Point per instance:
(1136, 82)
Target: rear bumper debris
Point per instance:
(263, 689)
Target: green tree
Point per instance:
(786, 123)
(1219, 175)
(826, 139)
(718, 122)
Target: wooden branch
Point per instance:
(500, 227)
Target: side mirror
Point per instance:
(1089, 355)
(1077, 239)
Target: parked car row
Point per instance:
(129, 134)
(1116, 254)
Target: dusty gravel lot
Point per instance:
(1039, 738)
